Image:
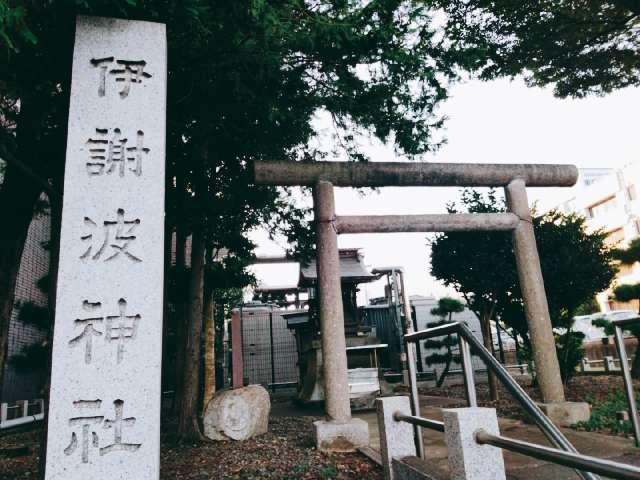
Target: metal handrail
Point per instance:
(575, 460)
(420, 421)
(465, 336)
(626, 373)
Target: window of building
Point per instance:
(615, 237)
(603, 208)
(631, 192)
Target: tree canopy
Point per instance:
(575, 264)
(578, 47)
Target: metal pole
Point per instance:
(568, 459)
(552, 432)
(414, 321)
(236, 349)
(467, 371)
(411, 363)
(399, 306)
(628, 383)
(273, 367)
(423, 422)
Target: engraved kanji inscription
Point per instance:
(84, 432)
(127, 72)
(84, 428)
(119, 329)
(114, 242)
(89, 331)
(116, 424)
(109, 153)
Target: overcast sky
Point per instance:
(489, 122)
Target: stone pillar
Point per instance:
(396, 438)
(104, 415)
(468, 460)
(339, 432)
(534, 296)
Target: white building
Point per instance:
(423, 306)
(609, 200)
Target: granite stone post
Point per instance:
(396, 438)
(104, 415)
(339, 432)
(468, 460)
(535, 299)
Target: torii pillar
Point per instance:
(338, 431)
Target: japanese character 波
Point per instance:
(117, 236)
(126, 72)
(84, 428)
(108, 153)
(118, 328)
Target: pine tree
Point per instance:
(446, 308)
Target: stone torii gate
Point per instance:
(339, 426)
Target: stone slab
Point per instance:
(237, 414)
(341, 437)
(396, 438)
(411, 468)
(104, 416)
(469, 460)
(566, 414)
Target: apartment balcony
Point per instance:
(610, 221)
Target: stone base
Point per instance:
(341, 437)
(565, 414)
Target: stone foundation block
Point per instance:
(469, 460)
(237, 414)
(341, 437)
(396, 438)
(565, 414)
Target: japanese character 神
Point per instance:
(122, 327)
(119, 328)
(88, 332)
(110, 152)
(125, 71)
(85, 429)
(117, 235)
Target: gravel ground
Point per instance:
(285, 452)
(579, 389)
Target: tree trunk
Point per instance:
(500, 346)
(209, 350)
(181, 317)
(447, 366)
(209, 377)
(188, 425)
(219, 323)
(488, 343)
(18, 195)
